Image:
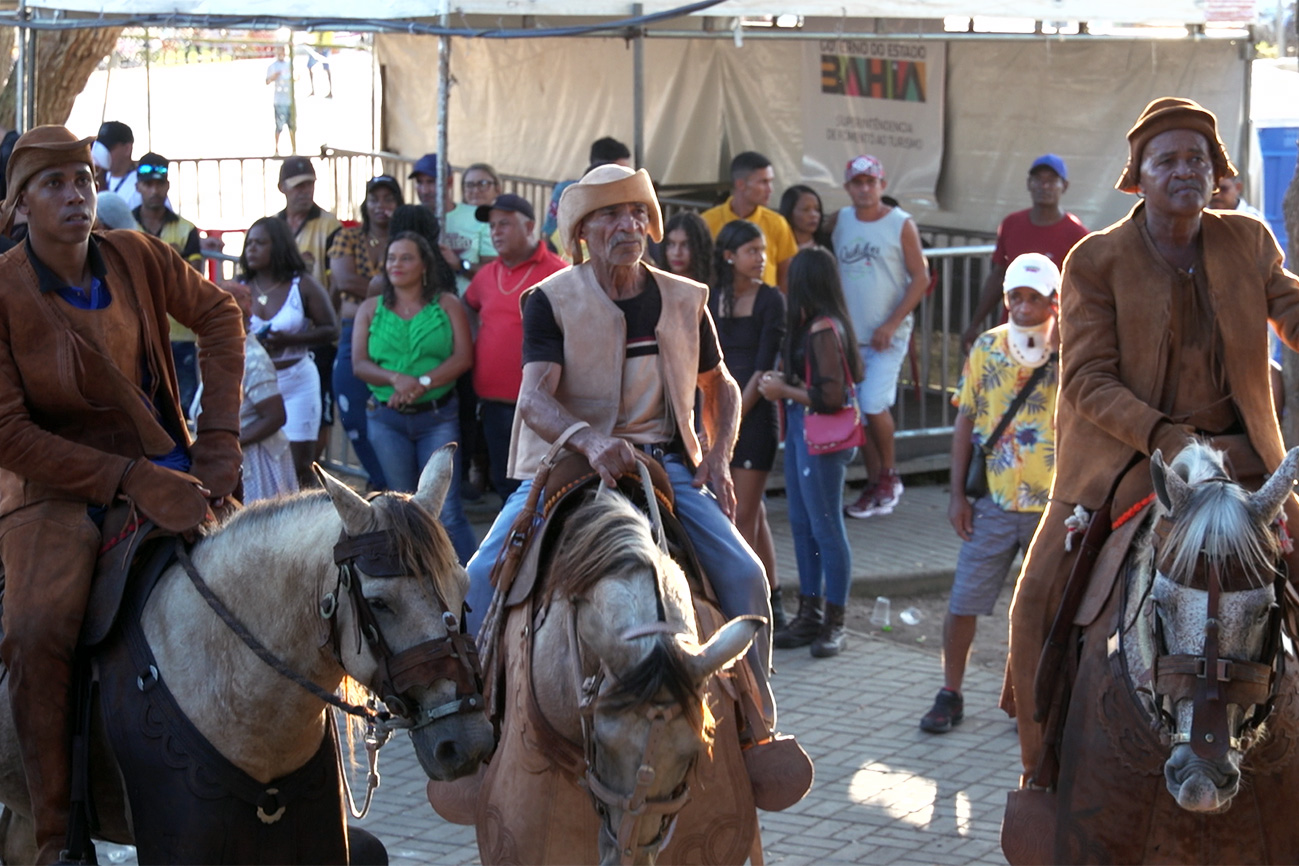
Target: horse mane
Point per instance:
(1216, 523)
(422, 544)
(607, 535)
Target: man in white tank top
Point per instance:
(884, 275)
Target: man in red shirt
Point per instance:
(1044, 228)
(494, 295)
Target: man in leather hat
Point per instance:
(1163, 336)
(89, 415)
(618, 348)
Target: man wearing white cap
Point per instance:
(617, 348)
(1014, 436)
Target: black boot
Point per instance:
(778, 618)
(831, 639)
(803, 628)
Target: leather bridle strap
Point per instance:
(1210, 738)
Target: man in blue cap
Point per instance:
(1044, 228)
(425, 175)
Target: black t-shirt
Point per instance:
(544, 341)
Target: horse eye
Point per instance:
(378, 604)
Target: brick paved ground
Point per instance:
(885, 792)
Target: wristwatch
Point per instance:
(426, 380)
(466, 266)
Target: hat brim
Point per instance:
(296, 180)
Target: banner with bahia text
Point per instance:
(876, 96)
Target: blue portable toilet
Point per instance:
(1277, 147)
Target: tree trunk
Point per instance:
(64, 61)
(1290, 364)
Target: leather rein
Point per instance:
(1211, 681)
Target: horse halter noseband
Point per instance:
(454, 657)
(1213, 682)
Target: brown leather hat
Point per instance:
(1161, 115)
(38, 149)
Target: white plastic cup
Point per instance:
(880, 615)
(911, 616)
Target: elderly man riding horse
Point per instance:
(613, 351)
(90, 414)
(1163, 332)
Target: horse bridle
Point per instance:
(1212, 682)
(453, 657)
(636, 806)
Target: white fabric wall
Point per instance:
(532, 107)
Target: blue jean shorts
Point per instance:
(985, 559)
(878, 389)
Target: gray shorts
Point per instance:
(985, 559)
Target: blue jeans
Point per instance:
(185, 356)
(404, 444)
(350, 395)
(814, 486)
(736, 574)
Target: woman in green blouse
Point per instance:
(409, 345)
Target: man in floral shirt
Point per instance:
(997, 526)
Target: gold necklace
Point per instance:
(500, 283)
(263, 295)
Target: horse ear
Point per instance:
(1170, 487)
(1158, 469)
(1266, 503)
(354, 511)
(729, 643)
(435, 480)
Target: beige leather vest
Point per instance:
(595, 343)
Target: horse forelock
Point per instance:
(663, 669)
(422, 543)
(1215, 523)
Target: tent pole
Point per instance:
(638, 92)
(148, 91)
(444, 83)
(20, 70)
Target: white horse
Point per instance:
(624, 708)
(273, 566)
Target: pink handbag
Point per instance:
(825, 433)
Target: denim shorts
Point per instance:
(985, 559)
(878, 389)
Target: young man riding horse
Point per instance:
(90, 414)
(1163, 324)
(613, 352)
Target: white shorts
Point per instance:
(878, 389)
(300, 390)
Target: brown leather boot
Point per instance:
(803, 628)
(831, 639)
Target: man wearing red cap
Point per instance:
(90, 414)
(1163, 334)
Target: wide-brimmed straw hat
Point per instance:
(601, 187)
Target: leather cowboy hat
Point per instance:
(600, 187)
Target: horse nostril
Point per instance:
(448, 753)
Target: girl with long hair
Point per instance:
(750, 318)
(801, 208)
(687, 248)
(821, 365)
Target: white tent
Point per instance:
(702, 87)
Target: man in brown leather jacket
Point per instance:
(1163, 336)
(89, 415)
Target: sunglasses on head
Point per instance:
(147, 170)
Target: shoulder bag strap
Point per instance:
(850, 393)
(1016, 404)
